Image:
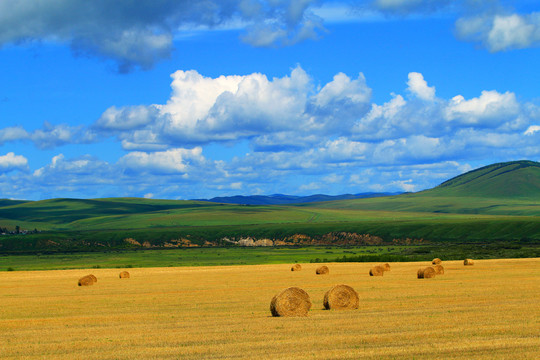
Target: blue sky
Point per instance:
(182, 99)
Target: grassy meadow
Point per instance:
(486, 311)
(183, 257)
(79, 225)
(496, 203)
(216, 256)
(433, 228)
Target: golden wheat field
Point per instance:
(487, 311)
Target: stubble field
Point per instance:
(486, 311)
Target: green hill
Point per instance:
(511, 188)
(8, 202)
(496, 202)
(64, 214)
(516, 179)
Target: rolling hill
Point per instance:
(516, 179)
(500, 201)
(510, 188)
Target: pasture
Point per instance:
(76, 225)
(216, 256)
(486, 311)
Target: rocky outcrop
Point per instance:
(132, 241)
(334, 238)
(329, 239)
(263, 242)
(245, 242)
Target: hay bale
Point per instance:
(86, 280)
(426, 273)
(386, 267)
(296, 267)
(341, 297)
(439, 270)
(124, 275)
(292, 301)
(467, 262)
(93, 277)
(376, 271)
(436, 261)
(429, 272)
(322, 270)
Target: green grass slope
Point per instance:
(61, 213)
(427, 203)
(516, 179)
(497, 202)
(511, 188)
(8, 202)
(132, 213)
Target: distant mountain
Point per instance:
(515, 179)
(280, 199)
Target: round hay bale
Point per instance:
(439, 270)
(386, 267)
(341, 297)
(436, 261)
(322, 270)
(292, 301)
(376, 271)
(426, 273)
(296, 267)
(86, 281)
(467, 262)
(93, 277)
(124, 275)
(429, 272)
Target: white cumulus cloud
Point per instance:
(13, 133)
(174, 161)
(532, 129)
(501, 32)
(61, 169)
(48, 137)
(277, 134)
(10, 162)
(339, 103)
(130, 117)
(419, 87)
(491, 107)
(228, 108)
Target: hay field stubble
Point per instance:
(486, 311)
